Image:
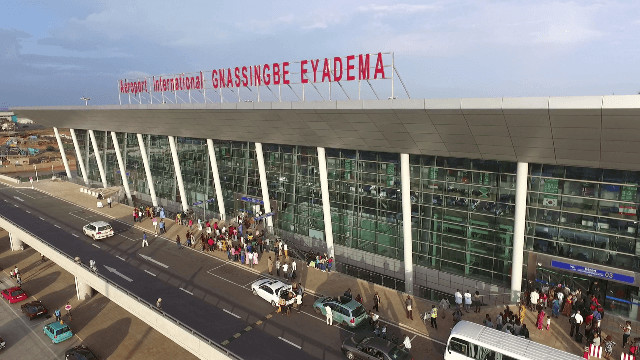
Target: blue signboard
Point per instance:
(251, 200)
(265, 216)
(593, 272)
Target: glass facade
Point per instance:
(462, 210)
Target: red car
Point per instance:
(14, 294)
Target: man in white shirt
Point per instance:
(329, 313)
(285, 269)
(575, 323)
(407, 343)
(467, 301)
(534, 299)
(294, 267)
(458, 298)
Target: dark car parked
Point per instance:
(34, 309)
(374, 348)
(80, 352)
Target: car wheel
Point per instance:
(350, 355)
(255, 292)
(273, 303)
(317, 310)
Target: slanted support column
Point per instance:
(79, 160)
(406, 223)
(216, 179)
(15, 243)
(263, 185)
(62, 154)
(96, 152)
(176, 166)
(518, 230)
(83, 291)
(147, 170)
(123, 172)
(326, 203)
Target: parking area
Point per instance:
(108, 330)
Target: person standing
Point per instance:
(161, 226)
(329, 314)
(534, 297)
(434, 317)
(285, 269)
(575, 320)
(409, 306)
(154, 221)
(159, 303)
(477, 300)
(376, 301)
(135, 215)
(407, 343)
(250, 258)
(144, 239)
(286, 251)
(109, 201)
(57, 314)
(178, 242)
(467, 301)
(18, 279)
(294, 267)
(458, 298)
(626, 333)
(270, 265)
(277, 266)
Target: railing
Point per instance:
(132, 295)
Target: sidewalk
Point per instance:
(332, 284)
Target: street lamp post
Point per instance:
(35, 168)
(86, 100)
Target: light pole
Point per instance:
(86, 100)
(36, 170)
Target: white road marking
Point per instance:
(27, 195)
(76, 235)
(150, 273)
(289, 342)
(96, 246)
(79, 217)
(227, 280)
(57, 226)
(19, 198)
(187, 291)
(230, 313)
(41, 218)
(15, 205)
(118, 273)
(149, 258)
(29, 212)
(121, 258)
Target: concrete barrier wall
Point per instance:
(135, 306)
(9, 179)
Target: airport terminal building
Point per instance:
(421, 195)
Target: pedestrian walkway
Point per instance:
(392, 306)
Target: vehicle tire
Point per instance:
(317, 310)
(254, 292)
(273, 303)
(350, 355)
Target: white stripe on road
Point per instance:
(22, 193)
(28, 212)
(289, 342)
(42, 219)
(57, 226)
(76, 235)
(121, 258)
(149, 258)
(15, 205)
(230, 313)
(96, 246)
(187, 291)
(150, 273)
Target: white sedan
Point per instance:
(272, 290)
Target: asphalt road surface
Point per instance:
(207, 294)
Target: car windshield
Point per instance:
(397, 353)
(17, 293)
(104, 228)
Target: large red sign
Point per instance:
(348, 68)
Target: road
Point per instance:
(210, 295)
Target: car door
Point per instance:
(265, 292)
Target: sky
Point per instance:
(55, 52)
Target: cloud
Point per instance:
(10, 43)
(394, 9)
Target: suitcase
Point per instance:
(579, 337)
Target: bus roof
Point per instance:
(509, 344)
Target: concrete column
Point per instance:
(176, 166)
(216, 179)
(62, 154)
(123, 172)
(83, 291)
(147, 170)
(96, 152)
(518, 230)
(326, 203)
(15, 243)
(406, 223)
(263, 184)
(79, 161)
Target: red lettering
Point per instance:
(337, 68)
(221, 80)
(285, 72)
(121, 86)
(303, 72)
(350, 67)
(237, 74)
(326, 71)
(256, 73)
(276, 74)
(363, 67)
(379, 67)
(314, 67)
(266, 77)
(245, 81)
(164, 84)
